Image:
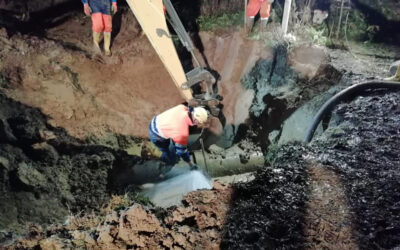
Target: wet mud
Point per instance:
(45, 173)
(286, 207)
(364, 152)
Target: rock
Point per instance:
(214, 149)
(25, 129)
(30, 177)
(4, 163)
(45, 152)
(273, 136)
(136, 226)
(6, 133)
(393, 67)
(83, 239)
(55, 243)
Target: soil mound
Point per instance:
(45, 173)
(279, 210)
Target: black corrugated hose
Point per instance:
(328, 106)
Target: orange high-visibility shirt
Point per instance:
(174, 124)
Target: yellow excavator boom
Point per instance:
(150, 15)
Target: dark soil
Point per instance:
(268, 212)
(45, 174)
(363, 150)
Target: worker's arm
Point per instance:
(114, 6)
(183, 152)
(86, 8)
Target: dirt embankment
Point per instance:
(91, 94)
(45, 173)
(84, 93)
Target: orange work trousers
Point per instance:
(101, 22)
(255, 6)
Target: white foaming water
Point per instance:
(178, 183)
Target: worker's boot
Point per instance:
(396, 76)
(263, 25)
(96, 41)
(249, 25)
(107, 42)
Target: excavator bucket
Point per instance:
(150, 14)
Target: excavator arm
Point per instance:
(153, 20)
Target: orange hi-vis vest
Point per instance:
(174, 124)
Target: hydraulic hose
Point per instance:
(327, 107)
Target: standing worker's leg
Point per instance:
(107, 33)
(97, 27)
(252, 9)
(264, 14)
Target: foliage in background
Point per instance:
(213, 7)
(353, 26)
(358, 28)
(214, 22)
(317, 35)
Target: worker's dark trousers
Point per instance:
(100, 6)
(166, 146)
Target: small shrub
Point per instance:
(209, 23)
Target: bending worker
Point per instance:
(101, 11)
(169, 131)
(255, 6)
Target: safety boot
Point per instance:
(107, 42)
(263, 25)
(249, 25)
(396, 76)
(96, 41)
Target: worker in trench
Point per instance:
(100, 12)
(255, 6)
(169, 131)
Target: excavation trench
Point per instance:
(83, 102)
(253, 110)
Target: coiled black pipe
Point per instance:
(343, 94)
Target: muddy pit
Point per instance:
(341, 190)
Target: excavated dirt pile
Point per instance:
(364, 152)
(283, 208)
(198, 223)
(268, 212)
(45, 174)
